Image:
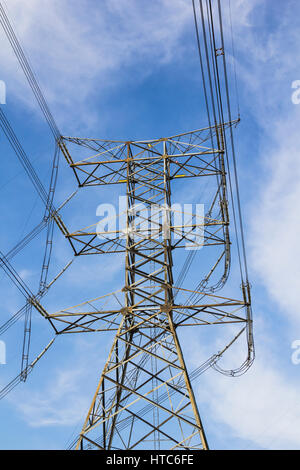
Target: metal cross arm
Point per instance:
(109, 164)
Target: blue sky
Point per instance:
(130, 70)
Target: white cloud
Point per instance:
(258, 410)
(261, 407)
(61, 404)
(275, 223)
(65, 396)
(269, 65)
(79, 50)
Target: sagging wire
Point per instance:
(216, 95)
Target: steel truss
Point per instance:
(144, 394)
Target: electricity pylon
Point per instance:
(144, 393)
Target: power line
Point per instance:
(24, 63)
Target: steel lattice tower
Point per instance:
(144, 393)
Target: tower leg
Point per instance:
(125, 403)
